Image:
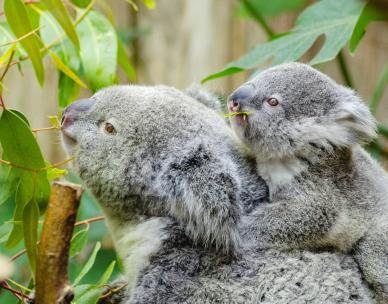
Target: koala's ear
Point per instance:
(353, 116)
(199, 93)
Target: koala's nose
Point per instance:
(238, 97)
(71, 113)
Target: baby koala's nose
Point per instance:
(238, 96)
(71, 113)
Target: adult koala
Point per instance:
(176, 192)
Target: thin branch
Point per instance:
(21, 38)
(15, 292)
(259, 18)
(2, 104)
(83, 222)
(344, 69)
(8, 163)
(113, 291)
(90, 220)
(61, 163)
(19, 285)
(45, 129)
(7, 66)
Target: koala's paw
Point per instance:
(115, 292)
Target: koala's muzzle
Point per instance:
(73, 111)
(239, 97)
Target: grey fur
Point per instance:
(325, 189)
(177, 191)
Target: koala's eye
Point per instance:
(109, 128)
(273, 102)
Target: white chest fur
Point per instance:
(279, 172)
(135, 242)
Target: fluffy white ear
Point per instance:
(201, 94)
(354, 117)
(349, 122)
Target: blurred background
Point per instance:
(179, 42)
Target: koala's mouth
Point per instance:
(240, 118)
(68, 138)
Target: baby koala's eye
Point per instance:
(109, 128)
(273, 102)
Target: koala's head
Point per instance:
(120, 135)
(294, 108)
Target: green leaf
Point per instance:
(54, 173)
(368, 15)
(22, 150)
(81, 3)
(30, 229)
(381, 85)
(58, 10)
(18, 142)
(68, 90)
(88, 264)
(19, 22)
(68, 72)
(5, 57)
(78, 241)
(270, 8)
(50, 31)
(8, 183)
(107, 274)
(89, 294)
(124, 63)
(5, 230)
(6, 36)
(98, 50)
(22, 197)
(149, 3)
(336, 19)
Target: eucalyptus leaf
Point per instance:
(78, 241)
(68, 90)
(20, 25)
(22, 150)
(98, 49)
(270, 8)
(336, 19)
(124, 63)
(59, 11)
(30, 229)
(5, 230)
(81, 3)
(88, 264)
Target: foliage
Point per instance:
(84, 46)
(340, 22)
(87, 51)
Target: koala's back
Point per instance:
(183, 274)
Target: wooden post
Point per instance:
(53, 250)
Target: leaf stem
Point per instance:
(379, 90)
(84, 222)
(45, 129)
(18, 294)
(259, 18)
(344, 69)
(21, 37)
(7, 66)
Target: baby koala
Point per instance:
(306, 132)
